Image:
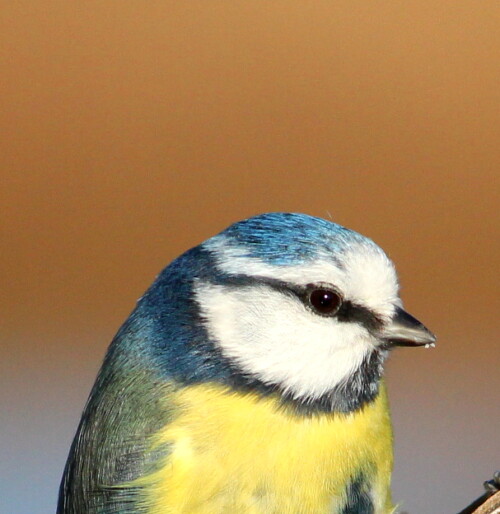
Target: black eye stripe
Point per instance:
(348, 311)
(249, 281)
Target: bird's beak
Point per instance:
(405, 330)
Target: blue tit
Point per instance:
(249, 380)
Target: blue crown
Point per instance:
(287, 238)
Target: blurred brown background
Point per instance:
(131, 131)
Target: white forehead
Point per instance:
(363, 273)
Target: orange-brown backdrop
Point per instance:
(131, 131)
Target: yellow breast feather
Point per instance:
(241, 453)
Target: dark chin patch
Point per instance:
(359, 389)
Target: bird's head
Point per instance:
(301, 306)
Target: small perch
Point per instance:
(489, 502)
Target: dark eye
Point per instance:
(325, 301)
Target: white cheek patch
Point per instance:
(272, 336)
